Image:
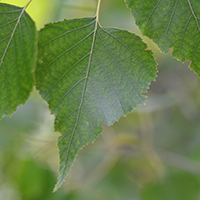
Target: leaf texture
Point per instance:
(171, 23)
(17, 57)
(89, 76)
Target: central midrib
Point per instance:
(83, 93)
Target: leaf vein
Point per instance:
(118, 64)
(63, 34)
(12, 35)
(74, 86)
(64, 52)
(65, 74)
(195, 17)
(171, 18)
(152, 12)
(8, 22)
(83, 93)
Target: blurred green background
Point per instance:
(152, 154)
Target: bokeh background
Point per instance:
(151, 154)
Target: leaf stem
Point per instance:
(27, 4)
(97, 12)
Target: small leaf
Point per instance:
(17, 57)
(89, 76)
(171, 23)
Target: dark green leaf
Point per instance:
(89, 76)
(171, 23)
(17, 57)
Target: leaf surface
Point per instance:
(17, 57)
(89, 76)
(171, 23)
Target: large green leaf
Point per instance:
(171, 23)
(17, 57)
(89, 76)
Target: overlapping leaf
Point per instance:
(17, 57)
(89, 76)
(171, 23)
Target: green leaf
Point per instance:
(17, 57)
(89, 76)
(171, 23)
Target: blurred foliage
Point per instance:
(152, 154)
